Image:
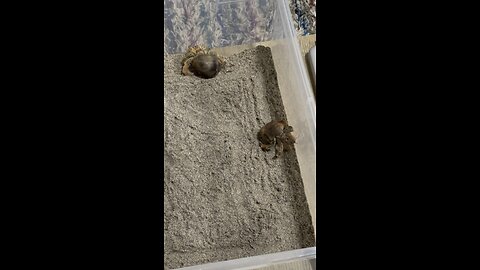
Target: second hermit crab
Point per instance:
(276, 133)
(202, 62)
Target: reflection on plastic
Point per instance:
(259, 261)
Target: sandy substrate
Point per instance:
(224, 197)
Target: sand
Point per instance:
(225, 198)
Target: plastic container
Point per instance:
(224, 23)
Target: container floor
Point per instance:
(224, 197)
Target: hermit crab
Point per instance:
(202, 62)
(276, 133)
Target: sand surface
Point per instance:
(225, 198)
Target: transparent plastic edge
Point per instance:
(258, 261)
(302, 108)
(292, 37)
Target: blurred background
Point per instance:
(220, 23)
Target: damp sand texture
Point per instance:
(224, 197)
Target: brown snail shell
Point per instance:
(205, 66)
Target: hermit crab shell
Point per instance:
(205, 66)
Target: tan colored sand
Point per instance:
(225, 198)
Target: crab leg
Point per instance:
(278, 149)
(185, 68)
